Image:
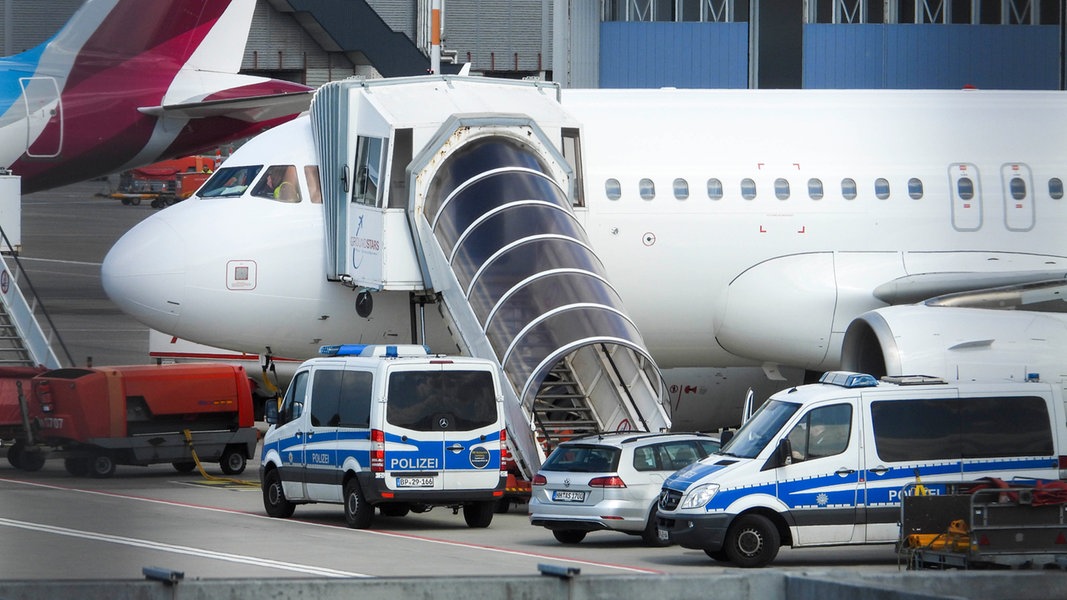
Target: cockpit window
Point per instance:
(279, 183)
(229, 182)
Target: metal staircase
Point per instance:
(23, 342)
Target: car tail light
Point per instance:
(607, 482)
(539, 479)
(377, 452)
(505, 454)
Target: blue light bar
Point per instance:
(848, 379)
(342, 350)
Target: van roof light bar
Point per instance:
(375, 350)
(848, 379)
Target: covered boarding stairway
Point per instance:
(472, 208)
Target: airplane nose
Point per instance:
(144, 273)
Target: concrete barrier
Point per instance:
(744, 585)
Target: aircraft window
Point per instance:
(279, 183)
(647, 189)
(681, 189)
(881, 188)
(965, 187)
(714, 189)
(613, 189)
(1055, 188)
(848, 188)
(229, 182)
(311, 173)
(915, 188)
(1018, 188)
(781, 188)
(815, 189)
(748, 189)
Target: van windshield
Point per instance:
(441, 400)
(753, 436)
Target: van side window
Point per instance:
(355, 399)
(950, 429)
(293, 405)
(327, 394)
(822, 432)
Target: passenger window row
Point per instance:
(965, 188)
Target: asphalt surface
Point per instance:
(55, 526)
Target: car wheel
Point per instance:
(30, 460)
(650, 536)
(752, 541)
(232, 461)
(479, 515)
(274, 501)
(568, 536)
(358, 513)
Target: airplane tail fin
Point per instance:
(203, 35)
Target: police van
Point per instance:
(824, 464)
(392, 427)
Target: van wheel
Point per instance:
(717, 555)
(232, 461)
(479, 514)
(752, 541)
(358, 513)
(650, 536)
(274, 500)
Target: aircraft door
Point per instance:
(821, 485)
(44, 116)
(1018, 197)
(966, 197)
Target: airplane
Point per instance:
(778, 232)
(127, 83)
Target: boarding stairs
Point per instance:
(23, 343)
(499, 246)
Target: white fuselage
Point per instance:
(712, 276)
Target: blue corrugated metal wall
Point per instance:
(931, 56)
(683, 55)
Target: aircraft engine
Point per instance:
(957, 343)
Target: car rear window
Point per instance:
(583, 459)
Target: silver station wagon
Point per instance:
(610, 482)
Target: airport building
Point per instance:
(903, 44)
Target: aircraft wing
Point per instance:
(252, 109)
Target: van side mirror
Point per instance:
(784, 453)
(270, 411)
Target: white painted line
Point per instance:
(299, 523)
(174, 549)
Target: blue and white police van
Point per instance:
(392, 427)
(825, 464)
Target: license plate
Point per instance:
(415, 482)
(664, 535)
(568, 496)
